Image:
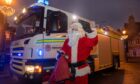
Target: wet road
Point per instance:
(128, 74)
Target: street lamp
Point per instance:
(8, 2)
(105, 33)
(124, 34)
(124, 37)
(124, 31)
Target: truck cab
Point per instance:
(38, 32)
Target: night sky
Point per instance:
(104, 12)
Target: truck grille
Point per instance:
(17, 59)
(17, 64)
(16, 68)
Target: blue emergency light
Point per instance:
(19, 54)
(40, 52)
(46, 2)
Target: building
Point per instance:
(1, 41)
(133, 41)
(2, 22)
(6, 36)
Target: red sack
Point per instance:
(61, 71)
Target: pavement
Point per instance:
(128, 73)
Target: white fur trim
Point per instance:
(83, 71)
(75, 32)
(74, 53)
(92, 35)
(67, 57)
(61, 51)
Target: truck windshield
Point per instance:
(30, 23)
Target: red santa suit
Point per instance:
(78, 51)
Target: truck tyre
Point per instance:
(116, 66)
(28, 80)
(116, 62)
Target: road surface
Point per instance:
(128, 74)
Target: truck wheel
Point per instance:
(27, 79)
(116, 66)
(116, 63)
(23, 79)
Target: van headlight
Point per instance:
(33, 69)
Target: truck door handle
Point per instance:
(31, 52)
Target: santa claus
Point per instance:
(77, 49)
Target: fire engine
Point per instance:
(40, 33)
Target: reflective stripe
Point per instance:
(50, 40)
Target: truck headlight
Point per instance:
(37, 69)
(29, 69)
(33, 69)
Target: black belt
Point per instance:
(73, 66)
(77, 64)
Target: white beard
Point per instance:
(73, 43)
(73, 38)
